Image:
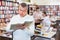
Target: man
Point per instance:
(37, 16)
(23, 33)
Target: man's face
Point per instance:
(38, 10)
(43, 15)
(22, 11)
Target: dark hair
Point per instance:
(44, 13)
(31, 8)
(37, 7)
(23, 4)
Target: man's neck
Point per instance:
(23, 16)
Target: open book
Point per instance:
(18, 25)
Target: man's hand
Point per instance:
(21, 26)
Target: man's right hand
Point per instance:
(21, 26)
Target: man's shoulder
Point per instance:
(30, 16)
(14, 17)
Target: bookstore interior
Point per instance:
(46, 20)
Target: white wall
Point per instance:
(43, 2)
(20, 1)
(55, 2)
(46, 2)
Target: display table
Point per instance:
(4, 37)
(45, 36)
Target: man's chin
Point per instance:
(22, 15)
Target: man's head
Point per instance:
(44, 14)
(22, 9)
(37, 9)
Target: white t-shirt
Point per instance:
(37, 15)
(46, 21)
(22, 34)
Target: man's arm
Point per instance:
(13, 21)
(9, 24)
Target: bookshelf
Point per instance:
(50, 9)
(7, 10)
